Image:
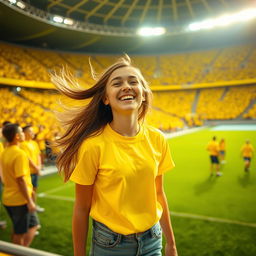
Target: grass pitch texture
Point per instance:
(212, 216)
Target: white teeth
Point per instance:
(127, 97)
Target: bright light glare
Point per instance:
(18, 89)
(148, 31)
(12, 1)
(58, 19)
(224, 20)
(207, 24)
(21, 5)
(245, 15)
(68, 21)
(194, 26)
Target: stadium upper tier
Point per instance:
(224, 64)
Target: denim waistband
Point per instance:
(154, 230)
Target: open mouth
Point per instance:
(127, 97)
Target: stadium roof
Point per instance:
(105, 17)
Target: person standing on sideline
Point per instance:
(118, 164)
(247, 151)
(2, 222)
(17, 193)
(222, 153)
(213, 148)
(34, 155)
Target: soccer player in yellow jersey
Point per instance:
(247, 152)
(222, 152)
(33, 152)
(118, 164)
(17, 193)
(213, 148)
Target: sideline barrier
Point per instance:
(17, 250)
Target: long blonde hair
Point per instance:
(87, 121)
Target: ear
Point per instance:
(143, 97)
(17, 137)
(106, 100)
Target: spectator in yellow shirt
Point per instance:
(2, 222)
(222, 153)
(33, 153)
(17, 194)
(213, 148)
(247, 151)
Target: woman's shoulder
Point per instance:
(153, 131)
(91, 142)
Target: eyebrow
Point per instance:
(119, 78)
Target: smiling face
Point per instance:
(124, 90)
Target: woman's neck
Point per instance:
(126, 125)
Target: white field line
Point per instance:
(177, 214)
(54, 189)
(184, 132)
(213, 219)
(63, 198)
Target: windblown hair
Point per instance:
(90, 120)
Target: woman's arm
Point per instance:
(80, 220)
(165, 221)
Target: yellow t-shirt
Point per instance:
(213, 148)
(32, 150)
(14, 164)
(1, 148)
(123, 171)
(247, 150)
(40, 138)
(222, 146)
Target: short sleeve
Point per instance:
(87, 165)
(166, 163)
(21, 165)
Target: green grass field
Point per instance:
(189, 189)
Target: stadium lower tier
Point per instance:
(170, 111)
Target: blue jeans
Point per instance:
(105, 242)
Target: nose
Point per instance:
(126, 86)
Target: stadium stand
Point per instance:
(175, 109)
(23, 111)
(224, 64)
(224, 103)
(21, 65)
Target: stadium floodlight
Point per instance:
(21, 5)
(208, 24)
(245, 15)
(68, 21)
(58, 19)
(12, 1)
(224, 20)
(194, 26)
(151, 31)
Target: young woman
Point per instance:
(117, 163)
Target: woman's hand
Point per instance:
(170, 250)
